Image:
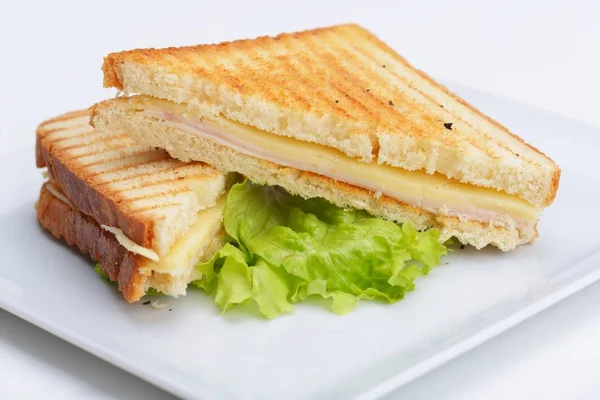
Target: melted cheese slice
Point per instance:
(432, 192)
(187, 249)
(130, 245)
(58, 194)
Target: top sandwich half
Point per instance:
(343, 88)
(339, 103)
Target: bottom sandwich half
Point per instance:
(134, 273)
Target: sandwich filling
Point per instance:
(184, 253)
(434, 193)
(130, 245)
(172, 272)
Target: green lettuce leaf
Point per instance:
(209, 269)
(234, 285)
(288, 248)
(234, 282)
(269, 290)
(99, 271)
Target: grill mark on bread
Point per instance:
(44, 133)
(152, 207)
(163, 169)
(413, 102)
(70, 116)
(121, 168)
(253, 74)
(61, 129)
(218, 67)
(58, 141)
(330, 57)
(62, 137)
(308, 80)
(109, 186)
(410, 119)
(323, 60)
(92, 152)
(87, 200)
(98, 153)
(367, 100)
(98, 139)
(360, 97)
(116, 155)
(172, 191)
(83, 184)
(448, 96)
(442, 89)
(283, 63)
(133, 158)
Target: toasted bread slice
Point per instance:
(140, 190)
(343, 88)
(184, 145)
(56, 214)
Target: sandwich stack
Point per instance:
(269, 170)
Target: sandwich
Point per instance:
(336, 114)
(145, 218)
(156, 225)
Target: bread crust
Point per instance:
(79, 230)
(342, 87)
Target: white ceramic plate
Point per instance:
(194, 352)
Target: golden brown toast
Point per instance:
(344, 88)
(151, 197)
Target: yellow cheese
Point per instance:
(433, 192)
(187, 249)
(428, 191)
(56, 193)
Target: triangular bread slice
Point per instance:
(343, 88)
(128, 206)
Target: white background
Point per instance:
(544, 53)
